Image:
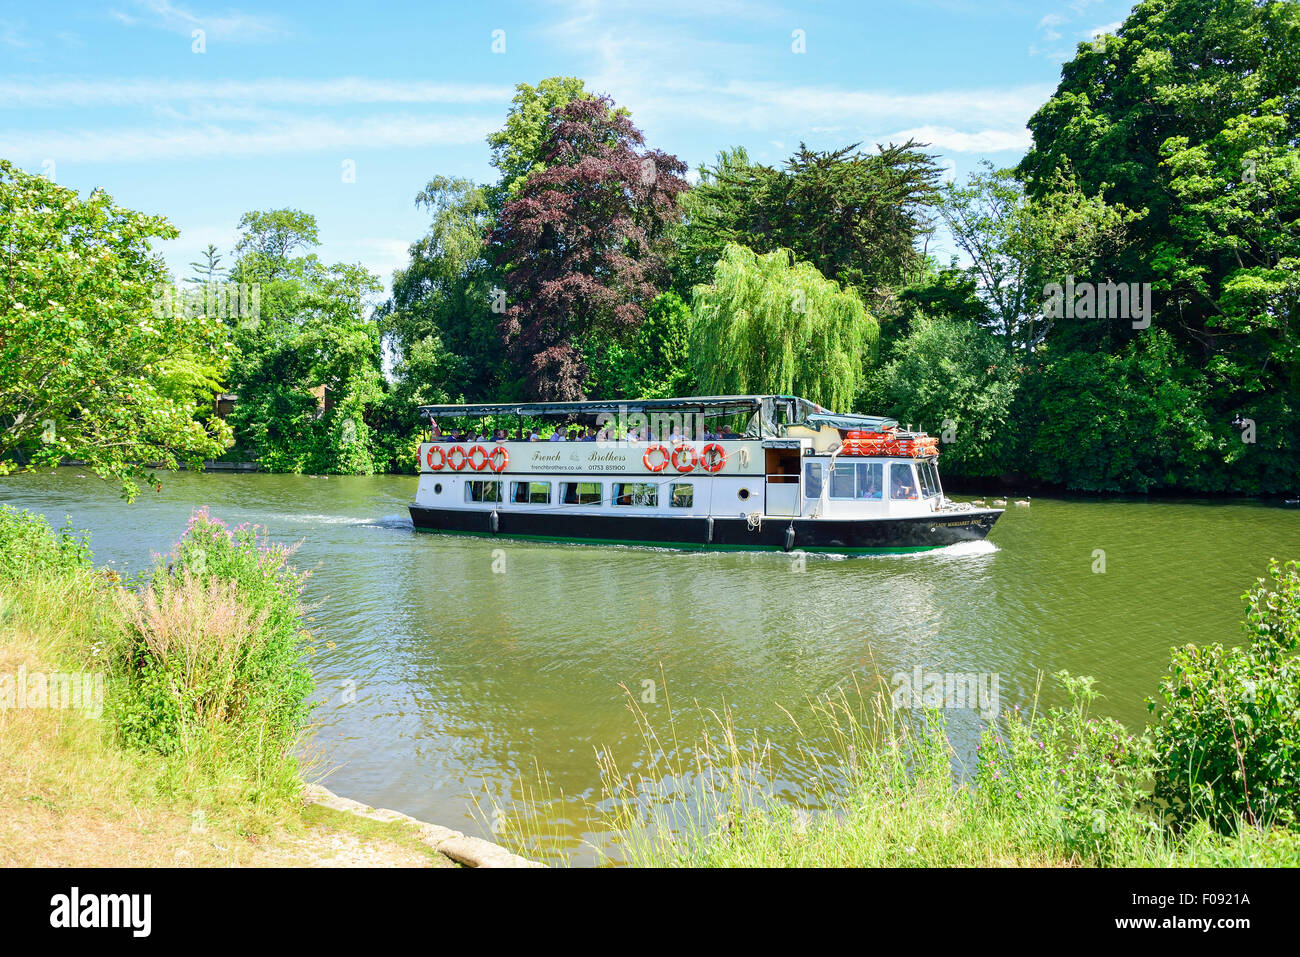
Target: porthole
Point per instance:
(743, 494)
(437, 489)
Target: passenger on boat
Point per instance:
(573, 435)
(591, 434)
(900, 488)
(499, 435)
(533, 436)
(557, 436)
(725, 434)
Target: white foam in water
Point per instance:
(967, 549)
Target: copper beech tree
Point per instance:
(581, 246)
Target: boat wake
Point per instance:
(966, 549)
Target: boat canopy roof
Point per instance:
(867, 423)
(796, 410)
(709, 404)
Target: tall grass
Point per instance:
(1058, 787)
(202, 655)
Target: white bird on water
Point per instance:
(999, 501)
(1023, 502)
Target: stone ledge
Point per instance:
(470, 851)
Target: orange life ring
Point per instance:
(710, 463)
(483, 458)
(499, 450)
(442, 457)
(645, 458)
(456, 467)
(682, 450)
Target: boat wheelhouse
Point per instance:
(746, 472)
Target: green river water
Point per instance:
(451, 668)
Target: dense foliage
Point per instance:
(90, 366)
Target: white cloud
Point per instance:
(232, 25)
(956, 141)
(150, 91)
(293, 136)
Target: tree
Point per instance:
(1017, 245)
(441, 299)
(1192, 111)
(654, 364)
(856, 216)
(519, 147)
(957, 381)
(580, 248)
(207, 270)
(312, 331)
(91, 365)
(771, 324)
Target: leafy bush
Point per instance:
(29, 545)
(1228, 741)
(216, 639)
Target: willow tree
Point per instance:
(771, 324)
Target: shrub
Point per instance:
(1228, 741)
(215, 656)
(29, 545)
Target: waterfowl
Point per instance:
(977, 501)
(999, 501)
(1023, 502)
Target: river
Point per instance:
(450, 669)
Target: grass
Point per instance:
(892, 793)
(72, 795)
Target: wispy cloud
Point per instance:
(231, 25)
(46, 92)
(293, 136)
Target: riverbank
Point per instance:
(72, 793)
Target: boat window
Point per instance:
(902, 484)
(812, 480)
(642, 494)
(842, 480)
(929, 478)
(683, 495)
(857, 480)
(581, 493)
(871, 480)
(530, 493)
(476, 491)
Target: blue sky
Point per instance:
(285, 95)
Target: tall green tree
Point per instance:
(581, 248)
(1192, 111)
(93, 363)
(312, 331)
(771, 324)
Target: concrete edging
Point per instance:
(470, 851)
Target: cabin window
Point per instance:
(928, 476)
(476, 491)
(530, 493)
(858, 480)
(581, 493)
(683, 495)
(640, 494)
(902, 484)
(812, 480)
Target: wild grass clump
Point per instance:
(212, 655)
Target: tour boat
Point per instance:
(672, 473)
